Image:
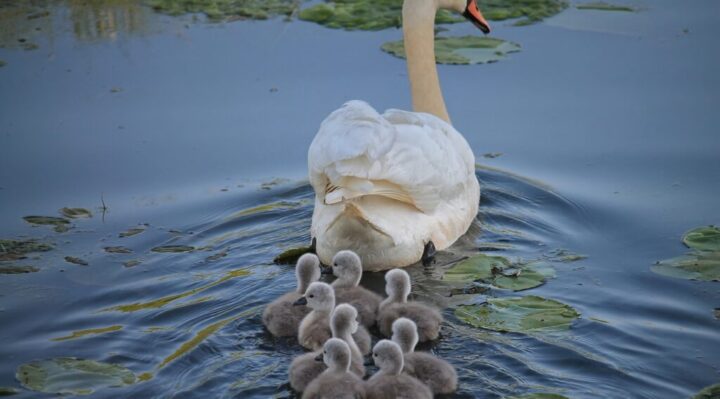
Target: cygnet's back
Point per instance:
(439, 375)
(389, 382)
(280, 317)
(336, 382)
(396, 305)
(347, 267)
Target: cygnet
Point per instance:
(390, 382)
(336, 382)
(396, 305)
(347, 267)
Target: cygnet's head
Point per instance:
(336, 354)
(404, 333)
(347, 267)
(307, 270)
(344, 320)
(388, 356)
(319, 296)
(397, 284)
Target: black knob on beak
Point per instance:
(319, 358)
(300, 302)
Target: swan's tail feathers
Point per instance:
(353, 187)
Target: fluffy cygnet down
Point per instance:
(343, 323)
(336, 382)
(280, 317)
(390, 382)
(347, 267)
(396, 305)
(436, 373)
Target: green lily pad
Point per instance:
(703, 238)
(538, 396)
(525, 314)
(462, 49)
(703, 266)
(291, 255)
(498, 271)
(61, 224)
(68, 375)
(74, 213)
(173, 249)
(18, 269)
(218, 10)
(17, 249)
(364, 14)
(602, 6)
(131, 232)
(711, 392)
(118, 250)
(530, 11)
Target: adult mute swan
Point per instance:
(395, 187)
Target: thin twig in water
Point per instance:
(104, 207)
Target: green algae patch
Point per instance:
(61, 224)
(364, 14)
(72, 376)
(703, 263)
(131, 232)
(538, 396)
(90, 331)
(18, 269)
(173, 249)
(265, 208)
(529, 11)
(290, 256)
(75, 213)
(602, 6)
(522, 315)
(499, 272)
(703, 238)
(17, 249)
(219, 10)
(462, 50)
(118, 250)
(711, 392)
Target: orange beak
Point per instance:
(472, 12)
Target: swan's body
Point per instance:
(386, 185)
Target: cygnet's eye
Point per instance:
(335, 264)
(374, 354)
(311, 296)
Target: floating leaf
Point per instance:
(77, 261)
(18, 269)
(703, 238)
(131, 232)
(711, 392)
(61, 224)
(291, 255)
(132, 263)
(8, 391)
(173, 249)
(118, 250)
(565, 256)
(704, 266)
(74, 213)
(601, 6)
(227, 9)
(498, 271)
(17, 249)
(90, 331)
(462, 49)
(525, 314)
(68, 375)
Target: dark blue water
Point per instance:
(609, 138)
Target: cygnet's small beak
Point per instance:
(326, 270)
(300, 302)
(472, 13)
(319, 358)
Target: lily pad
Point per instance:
(68, 375)
(173, 249)
(291, 255)
(462, 49)
(530, 11)
(711, 392)
(218, 10)
(74, 213)
(118, 250)
(703, 238)
(17, 249)
(602, 6)
(61, 224)
(18, 269)
(364, 14)
(703, 266)
(131, 232)
(77, 261)
(525, 314)
(132, 263)
(498, 271)
(8, 391)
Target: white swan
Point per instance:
(396, 186)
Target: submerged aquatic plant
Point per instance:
(227, 9)
(69, 375)
(462, 50)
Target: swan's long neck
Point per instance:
(419, 35)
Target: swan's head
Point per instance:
(388, 356)
(397, 284)
(347, 267)
(344, 320)
(307, 270)
(336, 354)
(404, 333)
(318, 296)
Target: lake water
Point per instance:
(197, 133)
